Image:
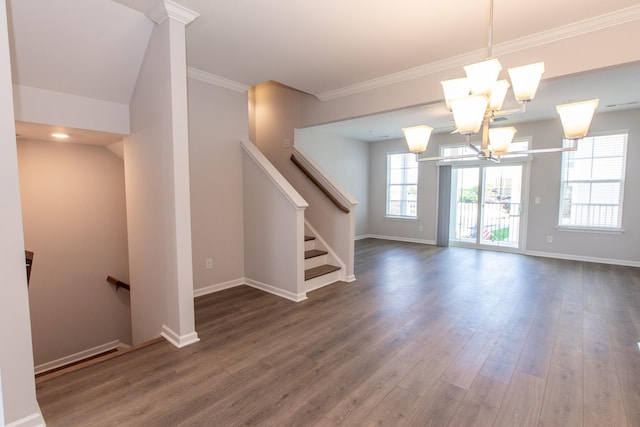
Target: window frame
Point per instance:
(403, 215)
(567, 157)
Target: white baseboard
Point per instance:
(584, 258)
(179, 340)
(350, 278)
(76, 357)
(276, 291)
(217, 287)
(252, 283)
(400, 239)
(33, 420)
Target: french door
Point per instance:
(486, 206)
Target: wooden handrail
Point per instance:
(322, 188)
(118, 283)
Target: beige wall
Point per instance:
(277, 114)
(73, 207)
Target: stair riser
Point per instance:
(315, 261)
(324, 280)
(309, 244)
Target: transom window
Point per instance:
(592, 183)
(402, 185)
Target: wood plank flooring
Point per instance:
(425, 336)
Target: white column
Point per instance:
(18, 390)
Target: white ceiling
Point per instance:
(94, 48)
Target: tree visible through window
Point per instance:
(402, 185)
(592, 183)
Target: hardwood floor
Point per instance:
(426, 336)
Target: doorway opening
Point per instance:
(486, 206)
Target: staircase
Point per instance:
(317, 270)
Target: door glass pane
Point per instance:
(464, 205)
(501, 204)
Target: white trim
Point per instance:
(217, 287)
(274, 175)
(597, 23)
(400, 239)
(350, 278)
(76, 357)
(583, 229)
(401, 218)
(162, 10)
(243, 281)
(180, 13)
(1, 402)
(622, 262)
(212, 79)
(276, 291)
(179, 341)
(33, 420)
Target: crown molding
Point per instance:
(212, 79)
(170, 9)
(180, 13)
(579, 28)
(575, 29)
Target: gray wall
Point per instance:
(346, 161)
(544, 183)
(422, 229)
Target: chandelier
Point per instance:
(476, 100)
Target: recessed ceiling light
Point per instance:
(60, 135)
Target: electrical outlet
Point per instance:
(549, 238)
(209, 263)
(420, 228)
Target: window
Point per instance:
(402, 185)
(592, 181)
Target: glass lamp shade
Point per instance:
(500, 139)
(498, 93)
(525, 80)
(455, 88)
(576, 117)
(482, 75)
(468, 113)
(417, 138)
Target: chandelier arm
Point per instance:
(458, 157)
(502, 113)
